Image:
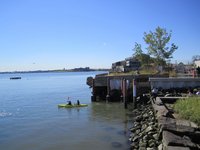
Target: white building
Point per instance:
(197, 63)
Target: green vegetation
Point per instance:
(122, 73)
(158, 42)
(157, 59)
(189, 109)
(141, 72)
(159, 50)
(145, 59)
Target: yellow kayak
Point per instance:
(72, 106)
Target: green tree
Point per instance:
(137, 50)
(138, 54)
(158, 42)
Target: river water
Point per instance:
(31, 120)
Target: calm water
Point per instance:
(31, 120)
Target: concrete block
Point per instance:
(170, 139)
(176, 148)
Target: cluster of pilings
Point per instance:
(123, 88)
(124, 91)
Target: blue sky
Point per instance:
(56, 34)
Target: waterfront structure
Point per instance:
(180, 68)
(118, 88)
(127, 65)
(197, 63)
(172, 83)
(121, 88)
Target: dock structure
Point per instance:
(171, 83)
(118, 88)
(126, 88)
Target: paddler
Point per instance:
(69, 102)
(78, 102)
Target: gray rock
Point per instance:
(136, 124)
(132, 135)
(148, 129)
(155, 136)
(151, 123)
(183, 123)
(160, 147)
(141, 134)
(135, 139)
(168, 127)
(193, 125)
(177, 148)
(150, 133)
(161, 111)
(138, 118)
(170, 139)
(149, 148)
(165, 121)
(145, 115)
(145, 138)
(132, 129)
(151, 143)
(144, 126)
(134, 144)
(143, 144)
(184, 129)
(137, 131)
(158, 101)
(151, 113)
(142, 148)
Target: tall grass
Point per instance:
(189, 109)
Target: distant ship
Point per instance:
(15, 78)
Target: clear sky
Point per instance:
(57, 34)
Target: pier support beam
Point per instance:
(108, 90)
(124, 93)
(134, 93)
(121, 97)
(93, 97)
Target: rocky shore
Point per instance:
(144, 133)
(155, 127)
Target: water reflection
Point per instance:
(113, 121)
(108, 111)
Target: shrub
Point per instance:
(189, 109)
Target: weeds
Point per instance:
(189, 109)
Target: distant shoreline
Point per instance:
(46, 71)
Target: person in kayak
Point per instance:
(69, 103)
(78, 102)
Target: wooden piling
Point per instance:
(93, 97)
(121, 97)
(134, 93)
(124, 94)
(108, 90)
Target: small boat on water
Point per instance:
(15, 78)
(72, 106)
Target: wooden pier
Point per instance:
(126, 88)
(118, 88)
